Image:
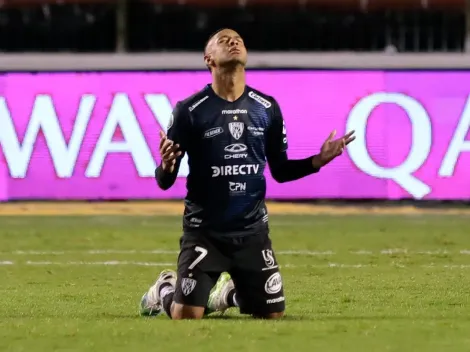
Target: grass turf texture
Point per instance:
(353, 283)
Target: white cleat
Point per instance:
(218, 298)
(151, 302)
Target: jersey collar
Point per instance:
(211, 92)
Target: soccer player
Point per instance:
(228, 130)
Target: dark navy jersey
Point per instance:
(228, 145)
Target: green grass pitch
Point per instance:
(353, 283)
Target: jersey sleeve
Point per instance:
(282, 168)
(276, 137)
(179, 126)
(177, 131)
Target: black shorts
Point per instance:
(250, 261)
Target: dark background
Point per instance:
(267, 25)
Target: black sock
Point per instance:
(231, 298)
(167, 292)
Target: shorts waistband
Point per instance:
(235, 239)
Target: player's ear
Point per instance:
(208, 60)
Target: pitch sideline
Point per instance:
(176, 208)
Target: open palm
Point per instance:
(335, 147)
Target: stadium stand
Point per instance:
(268, 25)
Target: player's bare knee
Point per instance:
(275, 316)
(270, 316)
(182, 312)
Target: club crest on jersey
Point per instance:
(188, 285)
(236, 129)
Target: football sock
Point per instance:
(232, 299)
(167, 291)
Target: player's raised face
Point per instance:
(226, 49)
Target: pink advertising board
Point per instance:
(95, 135)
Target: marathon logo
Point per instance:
(235, 170)
(260, 100)
(234, 112)
(275, 300)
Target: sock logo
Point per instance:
(188, 285)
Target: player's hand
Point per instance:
(332, 148)
(169, 152)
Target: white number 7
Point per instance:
(199, 258)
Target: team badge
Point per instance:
(236, 129)
(188, 285)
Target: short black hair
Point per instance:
(212, 36)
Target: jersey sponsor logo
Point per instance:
(199, 102)
(260, 100)
(188, 285)
(195, 222)
(273, 284)
(236, 148)
(256, 131)
(233, 112)
(235, 156)
(234, 170)
(284, 132)
(275, 300)
(213, 132)
(236, 129)
(237, 187)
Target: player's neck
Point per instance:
(229, 85)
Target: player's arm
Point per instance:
(172, 148)
(284, 169)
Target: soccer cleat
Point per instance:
(151, 302)
(218, 298)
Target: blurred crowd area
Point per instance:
(267, 25)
